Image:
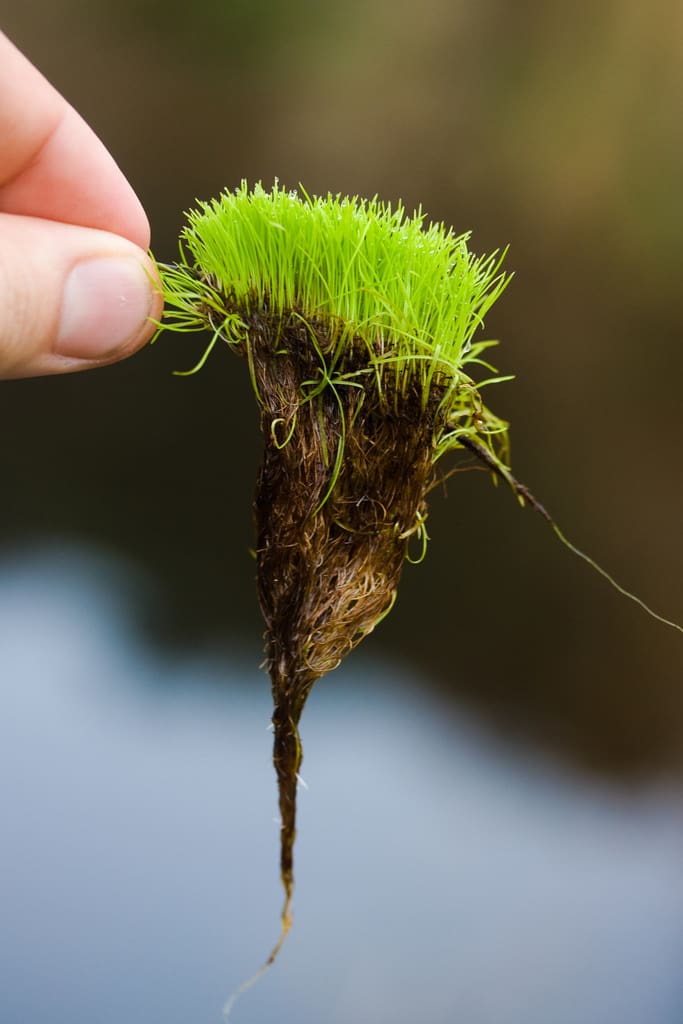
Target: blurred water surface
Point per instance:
(442, 875)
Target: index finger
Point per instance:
(52, 165)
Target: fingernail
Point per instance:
(105, 304)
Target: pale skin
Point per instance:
(76, 284)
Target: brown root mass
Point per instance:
(328, 561)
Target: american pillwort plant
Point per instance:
(358, 323)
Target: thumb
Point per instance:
(70, 297)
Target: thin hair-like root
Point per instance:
(525, 497)
(286, 924)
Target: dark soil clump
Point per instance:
(340, 493)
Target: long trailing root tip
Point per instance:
(525, 497)
(617, 586)
(287, 757)
(285, 926)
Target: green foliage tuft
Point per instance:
(410, 292)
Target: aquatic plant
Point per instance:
(359, 326)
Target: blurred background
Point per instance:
(126, 522)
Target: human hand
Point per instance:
(75, 281)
